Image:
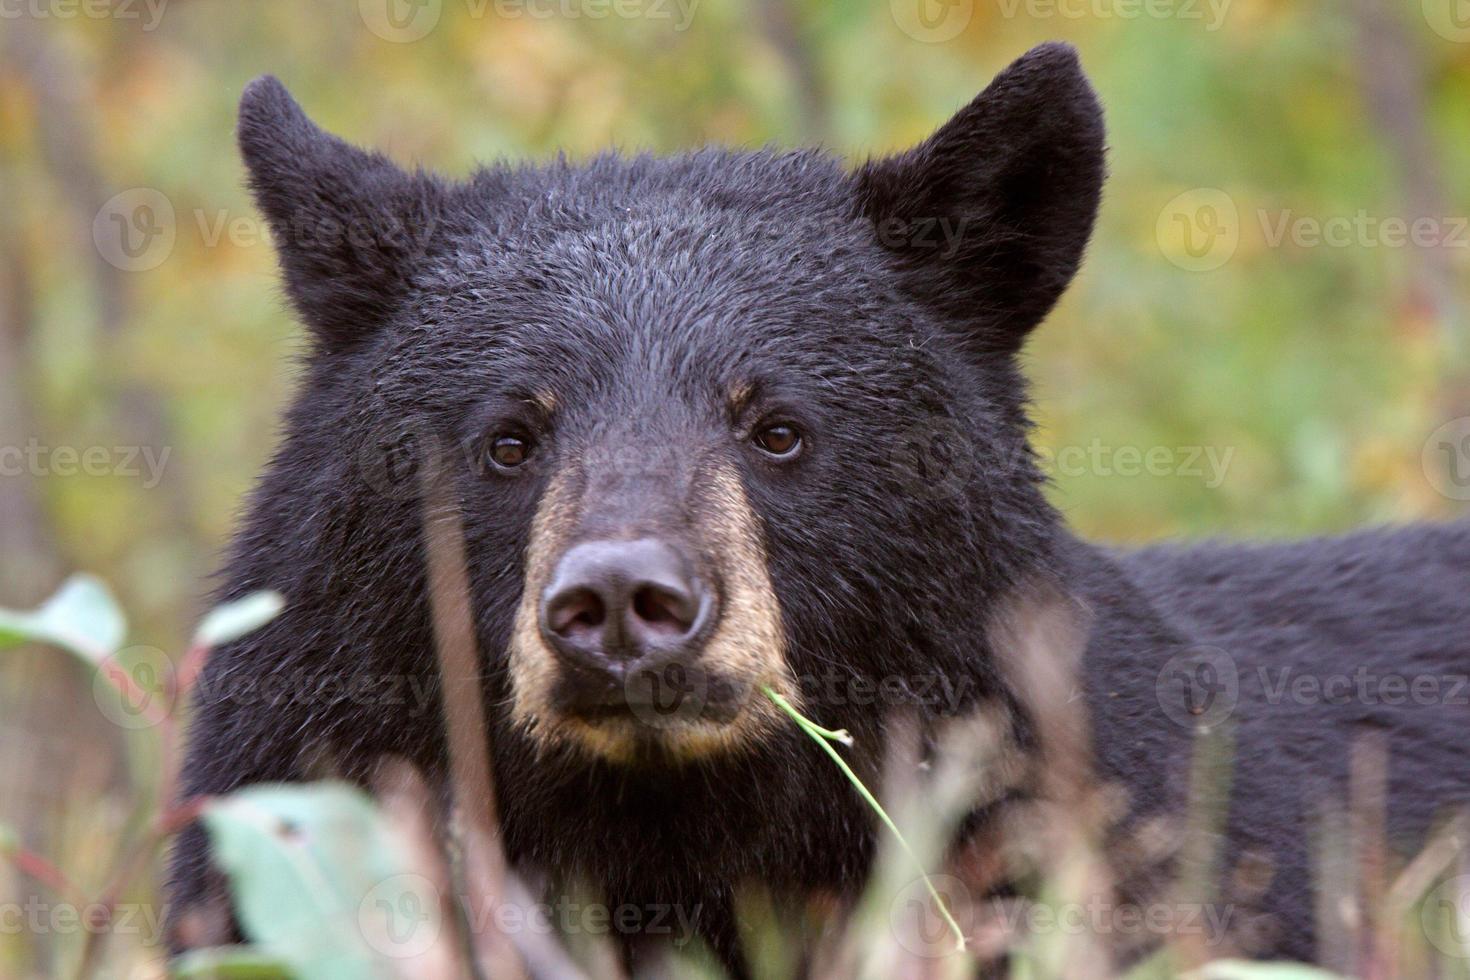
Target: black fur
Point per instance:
(1018, 175)
(636, 290)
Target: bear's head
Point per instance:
(719, 423)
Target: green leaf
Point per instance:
(81, 617)
(235, 619)
(8, 839)
(321, 882)
(229, 963)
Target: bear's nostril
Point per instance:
(664, 610)
(575, 611)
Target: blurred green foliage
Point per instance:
(1320, 370)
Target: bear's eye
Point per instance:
(780, 440)
(506, 452)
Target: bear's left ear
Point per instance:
(989, 217)
(349, 226)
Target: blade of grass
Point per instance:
(825, 737)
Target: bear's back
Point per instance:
(1308, 653)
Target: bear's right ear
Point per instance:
(989, 217)
(349, 226)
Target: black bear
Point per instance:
(678, 398)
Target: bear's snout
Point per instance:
(648, 621)
(616, 607)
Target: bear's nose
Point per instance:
(611, 605)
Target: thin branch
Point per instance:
(464, 720)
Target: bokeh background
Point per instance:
(1268, 337)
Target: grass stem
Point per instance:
(825, 737)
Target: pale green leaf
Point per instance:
(320, 881)
(81, 617)
(233, 620)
